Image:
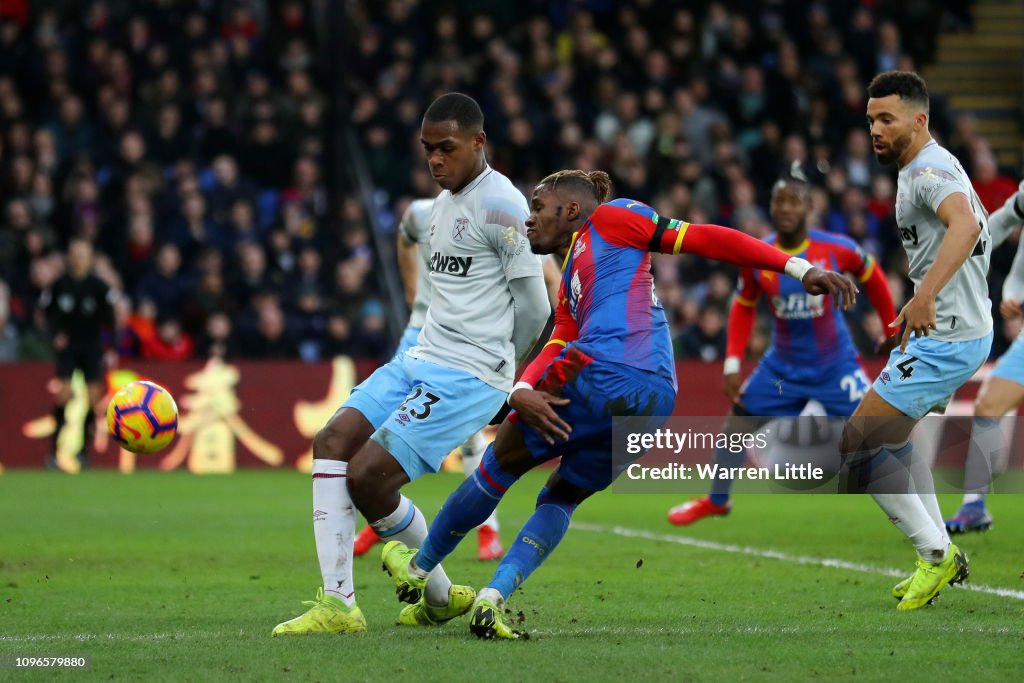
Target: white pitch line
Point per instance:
(705, 630)
(778, 555)
(120, 637)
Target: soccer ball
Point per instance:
(142, 417)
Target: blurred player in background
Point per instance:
(948, 333)
(610, 354)
(1001, 392)
(414, 266)
(78, 308)
(811, 355)
(488, 307)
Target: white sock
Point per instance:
(923, 485)
(909, 514)
(490, 594)
(408, 525)
(334, 528)
(931, 504)
(973, 497)
(472, 454)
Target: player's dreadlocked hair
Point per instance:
(794, 178)
(454, 106)
(907, 85)
(595, 183)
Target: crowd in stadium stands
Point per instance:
(187, 139)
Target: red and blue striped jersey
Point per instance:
(608, 290)
(807, 329)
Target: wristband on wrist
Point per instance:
(797, 267)
(517, 386)
(731, 366)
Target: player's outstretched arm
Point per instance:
(621, 223)
(732, 246)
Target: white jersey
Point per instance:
(477, 245)
(415, 225)
(1008, 217)
(963, 310)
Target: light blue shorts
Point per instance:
(924, 377)
(408, 340)
(422, 410)
(1011, 365)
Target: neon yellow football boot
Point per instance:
(900, 589)
(326, 614)
(488, 622)
(422, 613)
(395, 558)
(930, 578)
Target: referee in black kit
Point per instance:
(78, 308)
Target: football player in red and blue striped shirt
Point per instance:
(610, 354)
(811, 355)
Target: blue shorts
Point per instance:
(422, 410)
(409, 338)
(780, 389)
(597, 391)
(1011, 365)
(924, 377)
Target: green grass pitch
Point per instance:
(181, 578)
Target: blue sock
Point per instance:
(468, 507)
(534, 543)
(720, 487)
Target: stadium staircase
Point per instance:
(981, 72)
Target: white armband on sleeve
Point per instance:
(797, 267)
(516, 387)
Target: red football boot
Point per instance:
(489, 545)
(366, 539)
(697, 509)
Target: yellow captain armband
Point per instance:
(683, 225)
(745, 301)
(866, 275)
(556, 341)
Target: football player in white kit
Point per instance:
(1001, 392)
(948, 333)
(488, 308)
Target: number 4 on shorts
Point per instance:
(906, 367)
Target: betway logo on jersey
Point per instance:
(452, 265)
(798, 306)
